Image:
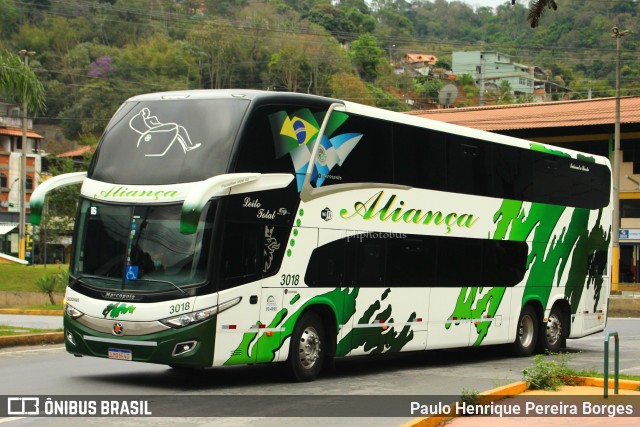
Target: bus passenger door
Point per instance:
(281, 280)
(241, 267)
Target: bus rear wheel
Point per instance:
(552, 335)
(527, 333)
(306, 351)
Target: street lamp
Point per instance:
(615, 276)
(25, 54)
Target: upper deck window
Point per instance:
(168, 141)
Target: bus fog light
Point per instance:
(70, 338)
(184, 347)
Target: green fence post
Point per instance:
(616, 371)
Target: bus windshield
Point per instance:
(168, 141)
(139, 248)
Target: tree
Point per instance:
(60, 205)
(368, 57)
(18, 83)
(536, 10)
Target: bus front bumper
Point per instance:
(190, 346)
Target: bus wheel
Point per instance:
(306, 353)
(527, 333)
(552, 335)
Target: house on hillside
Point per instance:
(10, 156)
(419, 63)
(490, 68)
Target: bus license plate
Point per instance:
(120, 354)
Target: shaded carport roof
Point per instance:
(560, 114)
(585, 125)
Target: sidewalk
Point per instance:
(39, 319)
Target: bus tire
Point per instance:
(552, 331)
(306, 351)
(527, 332)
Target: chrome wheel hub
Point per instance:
(309, 347)
(554, 329)
(525, 331)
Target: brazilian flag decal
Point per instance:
(296, 135)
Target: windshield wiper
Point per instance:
(91, 276)
(161, 281)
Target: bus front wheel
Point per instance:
(306, 352)
(527, 333)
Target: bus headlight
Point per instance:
(187, 319)
(72, 312)
(190, 318)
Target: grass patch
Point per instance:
(23, 278)
(7, 331)
(595, 374)
(550, 371)
(42, 307)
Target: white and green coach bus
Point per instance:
(223, 227)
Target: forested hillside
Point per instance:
(93, 54)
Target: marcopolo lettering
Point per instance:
(386, 209)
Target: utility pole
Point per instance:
(615, 270)
(482, 69)
(22, 244)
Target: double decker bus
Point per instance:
(224, 227)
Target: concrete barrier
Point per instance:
(10, 299)
(624, 306)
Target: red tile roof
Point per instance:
(584, 112)
(78, 151)
(18, 132)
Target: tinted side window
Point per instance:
(241, 260)
(327, 265)
(417, 260)
(419, 157)
(571, 182)
(513, 177)
(256, 150)
(469, 166)
(412, 262)
(370, 159)
(367, 257)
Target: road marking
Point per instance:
(8, 420)
(5, 353)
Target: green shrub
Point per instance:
(51, 283)
(548, 372)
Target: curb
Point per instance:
(31, 312)
(32, 339)
(512, 389)
(484, 398)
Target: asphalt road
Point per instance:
(49, 370)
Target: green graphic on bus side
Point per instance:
(114, 310)
(574, 251)
(542, 149)
(374, 340)
(267, 346)
(378, 339)
(486, 306)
